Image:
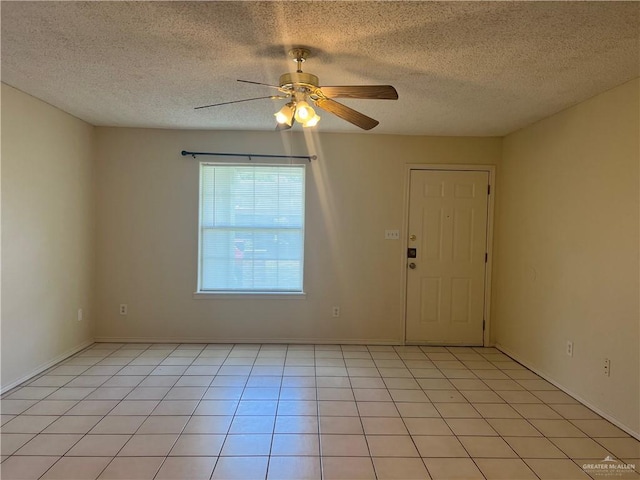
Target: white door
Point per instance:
(446, 279)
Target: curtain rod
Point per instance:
(249, 155)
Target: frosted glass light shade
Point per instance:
(312, 122)
(304, 112)
(285, 115)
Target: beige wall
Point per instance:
(566, 243)
(47, 234)
(565, 255)
(147, 235)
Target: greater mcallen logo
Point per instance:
(609, 466)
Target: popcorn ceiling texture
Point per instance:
(460, 68)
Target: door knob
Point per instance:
(412, 266)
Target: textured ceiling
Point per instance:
(460, 68)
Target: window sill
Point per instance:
(249, 295)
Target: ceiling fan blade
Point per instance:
(259, 83)
(273, 97)
(374, 92)
(346, 113)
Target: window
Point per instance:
(251, 228)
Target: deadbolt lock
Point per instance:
(412, 238)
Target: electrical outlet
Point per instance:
(335, 311)
(123, 309)
(392, 234)
(607, 367)
(80, 316)
(570, 348)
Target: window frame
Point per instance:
(201, 293)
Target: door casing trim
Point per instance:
(491, 170)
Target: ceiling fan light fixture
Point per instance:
(285, 115)
(312, 122)
(304, 112)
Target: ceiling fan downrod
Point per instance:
(299, 55)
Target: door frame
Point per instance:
(491, 170)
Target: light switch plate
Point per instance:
(392, 234)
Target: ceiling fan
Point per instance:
(301, 89)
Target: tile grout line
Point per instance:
(522, 382)
(413, 377)
(164, 460)
(82, 435)
(215, 464)
(315, 381)
(480, 415)
(105, 416)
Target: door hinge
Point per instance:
(486, 257)
(483, 324)
(488, 189)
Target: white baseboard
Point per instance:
(586, 403)
(297, 341)
(41, 368)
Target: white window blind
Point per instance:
(251, 228)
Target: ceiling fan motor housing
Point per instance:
(298, 80)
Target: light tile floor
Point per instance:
(217, 411)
